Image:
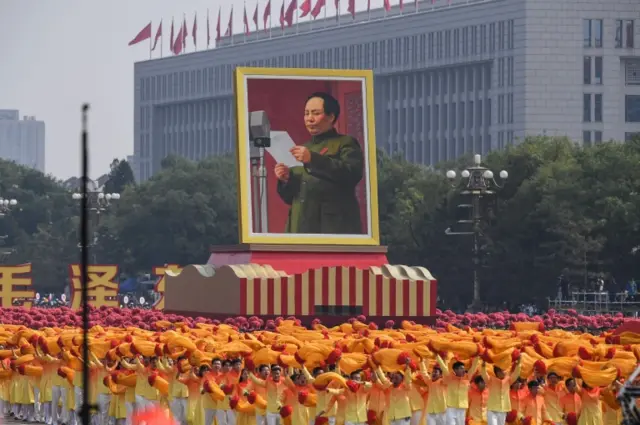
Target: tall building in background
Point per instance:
(450, 77)
(22, 141)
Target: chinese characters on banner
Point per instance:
(160, 284)
(102, 288)
(14, 284)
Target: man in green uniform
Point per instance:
(322, 190)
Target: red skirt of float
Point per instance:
(328, 282)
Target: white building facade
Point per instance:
(450, 78)
(22, 140)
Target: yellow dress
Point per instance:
(71, 395)
(118, 407)
(24, 390)
(591, 413)
(46, 384)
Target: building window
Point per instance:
(587, 70)
(592, 32)
(632, 108)
(597, 136)
(633, 73)
(624, 33)
(597, 108)
(586, 138)
(586, 108)
(586, 32)
(597, 72)
(631, 136)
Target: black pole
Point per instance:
(85, 413)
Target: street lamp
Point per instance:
(480, 183)
(6, 205)
(97, 203)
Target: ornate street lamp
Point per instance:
(97, 203)
(6, 205)
(479, 183)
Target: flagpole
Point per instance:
(150, 40)
(270, 18)
(161, 41)
(297, 18)
(184, 28)
(245, 22)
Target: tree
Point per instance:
(174, 217)
(40, 228)
(120, 176)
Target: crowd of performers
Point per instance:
(349, 375)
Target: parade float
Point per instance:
(275, 272)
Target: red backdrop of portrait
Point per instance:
(284, 102)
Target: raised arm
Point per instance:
(257, 381)
(443, 365)
(515, 374)
(474, 366)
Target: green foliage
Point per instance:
(120, 176)
(563, 209)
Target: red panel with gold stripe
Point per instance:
(377, 291)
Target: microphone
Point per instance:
(259, 129)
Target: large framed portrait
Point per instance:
(306, 156)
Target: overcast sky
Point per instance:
(58, 54)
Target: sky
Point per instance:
(58, 54)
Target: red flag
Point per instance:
(305, 8)
(255, 17)
(178, 45)
(282, 15)
(194, 30)
(246, 21)
(229, 32)
(171, 37)
(158, 35)
(208, 30)
(387, 5)
(267, 14)
(351, 8)
(401, 5)
(143, 35)
(288, 16)
(185, 32)
(218, 26)
(318, 8)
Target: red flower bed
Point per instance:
(37, 318)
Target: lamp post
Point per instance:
(6, 205)
(479, 183)
(97, 203)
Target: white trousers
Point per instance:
(496, 418)
(354, 423)
(272, 419)
(102, 416)
(131, 407)
(179, 408)
(59, 396)
(226, 417)
(210, 415)
(260, 420)
(456, 416)
(415, 417)
(404, 421)
(437, 419)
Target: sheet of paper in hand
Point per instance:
(281, 144)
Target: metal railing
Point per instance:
(597, 302)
